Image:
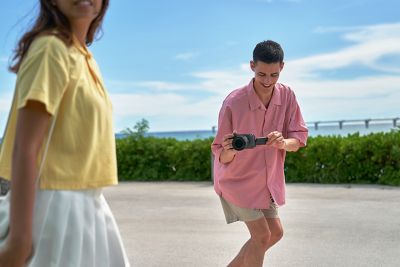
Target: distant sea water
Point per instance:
(323, 130)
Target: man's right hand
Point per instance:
(228, 153)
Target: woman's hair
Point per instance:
(50, 19)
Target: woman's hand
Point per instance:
(14, 255)
(31, 129)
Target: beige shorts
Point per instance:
(234, 213)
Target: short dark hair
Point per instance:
(268, 52)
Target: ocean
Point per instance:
(323, 130)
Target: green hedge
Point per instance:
(370, 159)
(154, 159)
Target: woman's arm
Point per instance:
(32, 127)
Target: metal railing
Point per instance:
(340, 123)
(354, 121)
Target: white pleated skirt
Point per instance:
(75, 229)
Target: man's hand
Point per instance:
(276, 140)
(228, 153)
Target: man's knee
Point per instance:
(276, 235)
(263, 239)
(260, 232)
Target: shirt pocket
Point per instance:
(278, 120)
(278, 124)
(240, 167)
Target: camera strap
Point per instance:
(261, 141)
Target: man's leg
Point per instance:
(252, 252)
(276, 230)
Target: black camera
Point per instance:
(244, 141)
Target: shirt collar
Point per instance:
(85, 52)
(82, 49)
(255, 101)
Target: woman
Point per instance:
(63, 220)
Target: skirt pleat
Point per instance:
(75, 229)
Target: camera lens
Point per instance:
(238, 143)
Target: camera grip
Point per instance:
(261, 141)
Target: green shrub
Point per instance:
(150, 158)
(370, 159)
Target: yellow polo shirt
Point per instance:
(67, 80)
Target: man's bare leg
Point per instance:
(239, 259)
(276, 229)
(253, 251)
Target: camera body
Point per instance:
(246, 141)
(243, 141)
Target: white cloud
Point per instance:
(321, 98)
(272, 1)
(372, 95)
(231, 43)
(165, 111)
(322, 30)
(186, 56)
(217, 82)
(363, 33)
(152, 85)
(344, 99)
(5, 102)
(365, 53)
(220, 82)
(4, 106)
(161, 104)
(370, 43)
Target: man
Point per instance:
(251, 182)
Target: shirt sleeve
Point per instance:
(43, 74)
(297, 128)
(224, 127)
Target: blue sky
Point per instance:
(173, 62)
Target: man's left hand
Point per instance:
(276, 140)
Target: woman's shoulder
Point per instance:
(51, 44)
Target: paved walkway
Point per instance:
(182, 224)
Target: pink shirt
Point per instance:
(255, 174)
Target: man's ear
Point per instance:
(282, 65)
(252, 65)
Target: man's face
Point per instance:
(266, 75)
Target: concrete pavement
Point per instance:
(182, 225)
